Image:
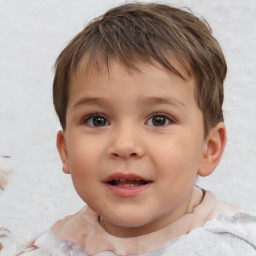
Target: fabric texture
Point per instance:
(224, 236)
(85, 230)
(209, 227)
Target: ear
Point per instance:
(213, 149)
(63, 152)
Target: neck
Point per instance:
(126, 231)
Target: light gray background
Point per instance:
(32, 33)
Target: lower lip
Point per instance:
(128, 191)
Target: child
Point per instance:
(139, 95)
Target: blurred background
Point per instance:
(32, 34)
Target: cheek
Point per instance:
(84, 171)
(83, 151)
(84, 160)
(179, 159)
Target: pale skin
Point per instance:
(144, 123)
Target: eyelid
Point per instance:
(164, 115)
(170, 119)
(88, 117)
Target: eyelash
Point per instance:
(90, 117)
(167, 119)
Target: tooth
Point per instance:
(123, 185)
(122, 179)
(132, 185)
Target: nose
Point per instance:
(126, 143)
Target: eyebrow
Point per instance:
(91, 101)
(142, 100)
(159, 100)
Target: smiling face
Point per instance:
(134, 143)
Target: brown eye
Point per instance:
(97, 121)
(158, 120)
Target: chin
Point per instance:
(129, 220)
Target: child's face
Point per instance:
(134, 142)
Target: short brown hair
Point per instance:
(151, 33)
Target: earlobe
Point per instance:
(63, 152)
(213, 149)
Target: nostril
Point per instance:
(120, 155)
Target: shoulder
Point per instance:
(78, 227)
(71, 226)
(241, 226)
(62, 223)
(225, 235)
(229, 235)
(213, 207)
(209, 208)
(46, 244)
(58, 241)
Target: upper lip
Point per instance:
(125, 177)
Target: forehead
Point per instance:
(156, 78)
(98, 67)
(87, 69)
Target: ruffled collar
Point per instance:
(85, 230)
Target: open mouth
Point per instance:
(127, 182)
